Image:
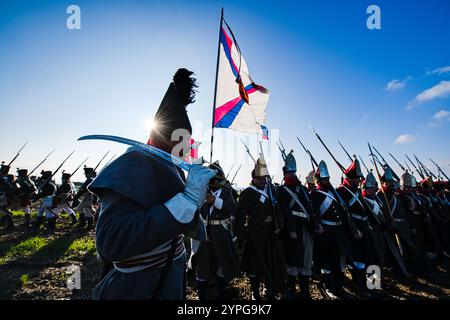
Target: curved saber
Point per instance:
(141, 146)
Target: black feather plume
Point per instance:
(185, 85)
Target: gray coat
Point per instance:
(133, 220)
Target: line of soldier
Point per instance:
(23, 192)
(289, 230)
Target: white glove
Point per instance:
(184, 205)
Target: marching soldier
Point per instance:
(63, 196)
(87, 207)
(438, 214)
(8, 190)
(217, 258)
(311, 181)
(381, 229)
(334, 249)
(27, 191)
(397, 215)
(146, 207)
(258, 221)
(46, 192)
(299, 225)
(413, 216)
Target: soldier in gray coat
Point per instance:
(146, 207)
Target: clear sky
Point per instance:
(321, 63)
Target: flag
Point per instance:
(240, 103)
(265, 132)
(193, 155)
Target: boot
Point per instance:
(82, 220)
(339, 278)
(304, 287)
(360, 281)
(9, 224)
(74, 219)
(27, 220)
(270, 293)
(39, 221)
(201, 289)
(90, 222)
(328, 286)
(51, 224)
(254, 283)
(291, 292)
(222, 288)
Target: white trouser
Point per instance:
(63, 207)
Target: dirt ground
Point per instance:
(34, 266)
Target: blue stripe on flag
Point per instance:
(228, 119)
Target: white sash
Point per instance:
(375, 206)
(260, 191)
(294, 196)
(326, 202)
(353, 199)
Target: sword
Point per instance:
(142, 147)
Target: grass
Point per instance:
(82, 246)
(24, 279)
(25, 248)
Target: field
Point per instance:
(34, 265)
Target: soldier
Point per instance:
(382, 245)
(413, 216)
(423, 205)
(87, 207)
(311, 181)
(63, 196)
(46, 192)
(146, 207)
(351, 195)
(217, 258)
(334, 248)
(439, 216)
(8, 190)
(258, 222)
(299, 225)
(27, 191)
(397, 215)
(86, 214)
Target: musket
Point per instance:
(40, 163)
(248, 151)
(282, 149)
(99, 163)
(328, 150)
(399, 164)
(71, 175)
(439, 169)
(385, 197)
(427, 171)
(231, 169)
(409, 168)
(109, 161)
(308, 153)
(17, 154)
(414, 166)
(348, 154)
(386, 164)
(362, 161)
(56, 171)
(236, 174)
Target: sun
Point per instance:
(150, 124)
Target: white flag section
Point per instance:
(240, 103)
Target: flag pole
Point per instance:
(215, 89)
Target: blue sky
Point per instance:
(322, 65)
